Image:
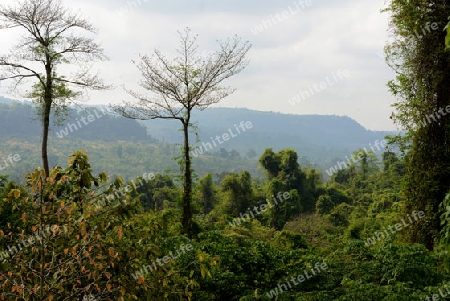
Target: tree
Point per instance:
(393, 169)
(340, 215)
(368, 162)
(181, 85)
(283, 166)
(389, 160)
(49, 41)
(422, 86)
(278, 214)
(154, 192)
(240, 192)
(270, 161)
(324, 204)
(207, 193)
(251, 153)
(342, 176)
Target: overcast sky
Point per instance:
(330, 49)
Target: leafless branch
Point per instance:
(186, 82)
(50, 39)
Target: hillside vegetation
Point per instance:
(320, 141)
(228, 204)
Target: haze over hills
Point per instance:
(313, 136)
(319, 140)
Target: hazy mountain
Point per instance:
(5, 100)
(319, 140)
(21, 121)
(316, 137)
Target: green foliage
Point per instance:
(421, 86)
(207, 193)
(62, 98)
(270, 162)
(288, 240)
(324, 205)
(91, 236)
(444, 243)
(92, 241)
(114, 238)
(238, 188)
(9, 218)
(135, 160)
(339, 216)
(338, 197)
(17, 122)
(283, 168)
(156, 191)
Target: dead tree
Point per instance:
(178, 86)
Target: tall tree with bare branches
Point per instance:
(51, 38)
(178, 86)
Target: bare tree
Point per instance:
(50, 39)
(180, 85)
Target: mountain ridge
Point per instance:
(313, 131)
(319, 140)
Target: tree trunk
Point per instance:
(46, 113)
(45, 128)
(187, 193)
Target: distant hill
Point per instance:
(319, 140)
(5, 100)
(21, 121)
(116, 145)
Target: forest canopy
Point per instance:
(137, 218)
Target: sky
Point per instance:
(307, 57)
